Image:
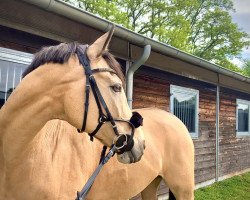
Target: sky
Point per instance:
(242, 18)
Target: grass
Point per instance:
(235, 188)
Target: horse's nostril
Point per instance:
(120, 141)
(124, 143)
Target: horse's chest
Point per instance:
(108, 184)
(31, 181)
(37, 177)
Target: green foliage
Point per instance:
(227, 64)
(236, 188)
(246, 68)
(200, 27)
(104, 8)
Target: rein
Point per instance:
(124, 142)
(83, 193)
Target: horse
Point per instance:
(54, 87)
(53, 161)
(168, 156)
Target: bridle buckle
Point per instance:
(102, 119)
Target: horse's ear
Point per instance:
(101, 44)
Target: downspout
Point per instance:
(130, 74)
(217, 145)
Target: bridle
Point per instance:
(124, 142)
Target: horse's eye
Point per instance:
(116, 87)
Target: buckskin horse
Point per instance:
(43, 157)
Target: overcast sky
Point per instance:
(242, 18)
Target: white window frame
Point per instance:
(245, 102)
(15, 56)
(179, 89)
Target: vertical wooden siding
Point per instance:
(234, 151)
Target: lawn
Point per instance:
(235, 188)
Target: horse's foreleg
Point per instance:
(149, 193)
(180, 189)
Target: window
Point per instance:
(184, 103)
(12, 65)
(242, 117)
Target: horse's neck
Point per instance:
(62, 141)
(63, 151)
(28, 108)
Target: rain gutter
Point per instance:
(76, 14)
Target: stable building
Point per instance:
(212, 101)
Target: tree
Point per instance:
(246, 68)
(200, 27)
(105, 8)
(214, 36)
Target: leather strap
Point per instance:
(83, 193)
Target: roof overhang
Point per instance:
(62, 22)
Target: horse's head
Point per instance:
(101, 109)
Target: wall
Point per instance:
(234, 151)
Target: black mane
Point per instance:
(61, 54)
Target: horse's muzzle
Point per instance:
(125, 142)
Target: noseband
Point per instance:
(123, 142)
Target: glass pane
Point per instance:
(243, 113)
(184, 109)
(10, 76)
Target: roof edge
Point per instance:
(76, 14)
